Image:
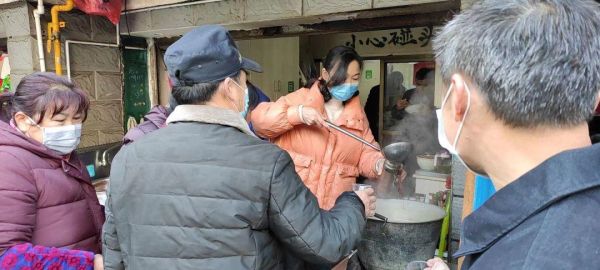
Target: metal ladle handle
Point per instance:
(350, 134)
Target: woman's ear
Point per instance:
(22, 122)
(325, 74)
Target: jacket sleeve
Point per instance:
(313, 235)
(111, 250)
(369, 156)
(18, 200)
(110, 242)
(271, 119)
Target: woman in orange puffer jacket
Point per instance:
(327, 161)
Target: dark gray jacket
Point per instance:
(547, 219)
(202, 193)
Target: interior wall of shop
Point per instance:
(366, 83)
(95, 69)
(320, 44)
(279, 58)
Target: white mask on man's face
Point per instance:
(443, 139)
(244, 112)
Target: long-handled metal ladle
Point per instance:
(350, 134)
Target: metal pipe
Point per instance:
(350, 134)
(68, 51)
(38, 32)
(55, 29)
(118, 35)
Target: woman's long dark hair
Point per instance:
(338, 58)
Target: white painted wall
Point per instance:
(365, 84)
(407, 41)
(279, 58)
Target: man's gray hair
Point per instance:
(537, 62)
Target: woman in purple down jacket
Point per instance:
(50, 217)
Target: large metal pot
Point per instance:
(411, 233)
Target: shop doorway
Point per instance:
(400, 105)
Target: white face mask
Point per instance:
(63, 139)
(442, 138)
(246, 100)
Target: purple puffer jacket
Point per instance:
(154, 120)
(45, 199)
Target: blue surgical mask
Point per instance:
(344, 91)
(62, 139)
(244, 113)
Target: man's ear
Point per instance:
(459, 100)
(227, 89)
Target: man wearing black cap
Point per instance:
(205, 193)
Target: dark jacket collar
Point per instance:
(210, 115)
(558, 177)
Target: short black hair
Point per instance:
(199, 93)
(422, 73)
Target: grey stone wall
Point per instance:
(17, 23)
(97, 70)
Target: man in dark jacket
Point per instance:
(520, 93)
(205, 193)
